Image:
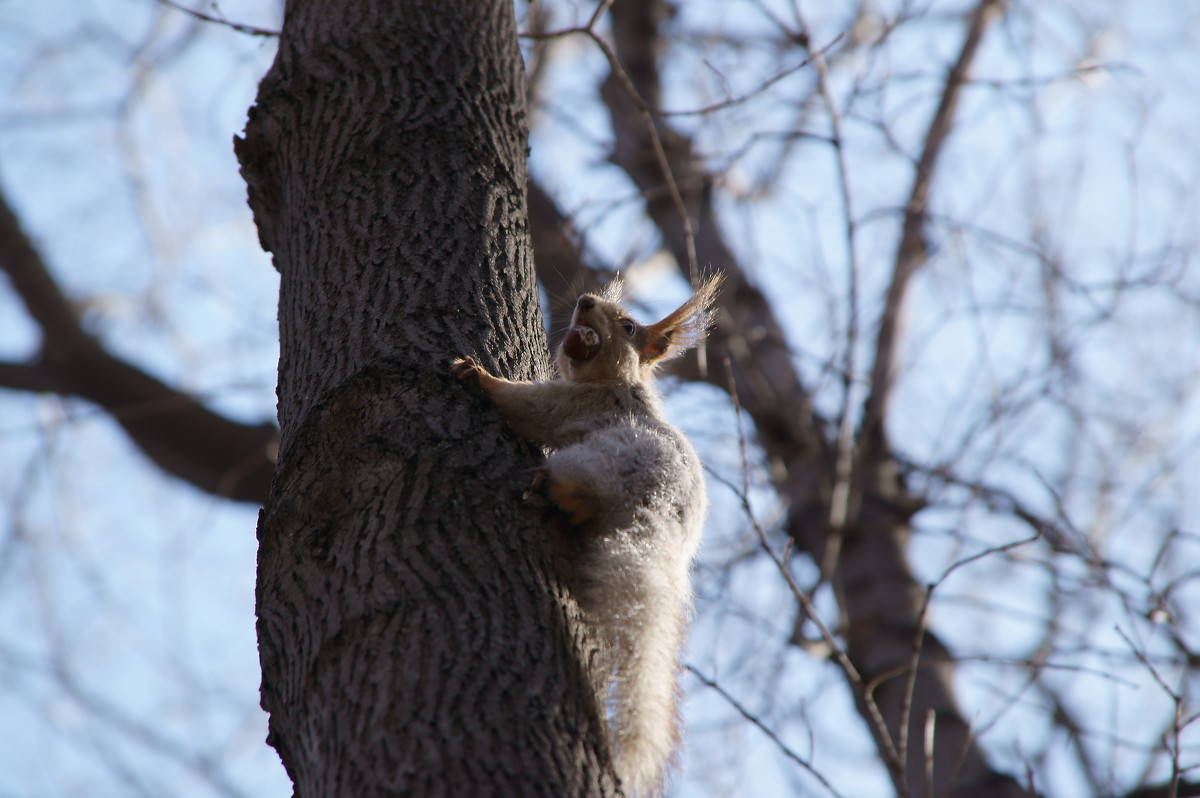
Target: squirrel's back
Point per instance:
(628, 569)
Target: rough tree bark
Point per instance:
(413, 640)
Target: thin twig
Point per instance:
(648, 113)
(910, 686)
(930, 728)
(750, 716)
(762, 87)
(919, 637)
(237, 26)
(911, 252)
(841, 497)
(1177, 721)
(660, 152)
(874, 716)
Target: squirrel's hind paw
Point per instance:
(574, 499)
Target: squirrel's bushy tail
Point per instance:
(646, 728)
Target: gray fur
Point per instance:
(633, 489)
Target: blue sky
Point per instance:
(127, 651)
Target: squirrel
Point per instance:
(632, 490)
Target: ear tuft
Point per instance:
(614, 290)
(683, 328)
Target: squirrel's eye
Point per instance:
(629, 326)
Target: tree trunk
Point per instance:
(413, 640)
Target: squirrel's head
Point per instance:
(605, 343)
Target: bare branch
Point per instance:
(172, 428)
(882, 605)
(912, 251)
(237, 26)
(863, 692)
(758, 723)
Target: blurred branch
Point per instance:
(33, 377)
(1184, 789)
(841, 496)
(642, 74)
(863, 693)
(754, 719)
(558, 257)
(747, 331)
(880, 598)
(1065, 718)
(237, 26)
(173, 429)
(762, 87)
(203, 766)
(1062, 537)
(913, 251)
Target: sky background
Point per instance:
(128, 663)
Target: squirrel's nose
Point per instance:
(586, 302)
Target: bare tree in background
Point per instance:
(967, 377)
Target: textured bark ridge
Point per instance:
(412, 639)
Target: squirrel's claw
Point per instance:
(539, 476)
(465, 368)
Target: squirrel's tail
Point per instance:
(646, 728)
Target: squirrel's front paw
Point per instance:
(465, 368)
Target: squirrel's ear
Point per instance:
(684, 327)
(657, 347)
